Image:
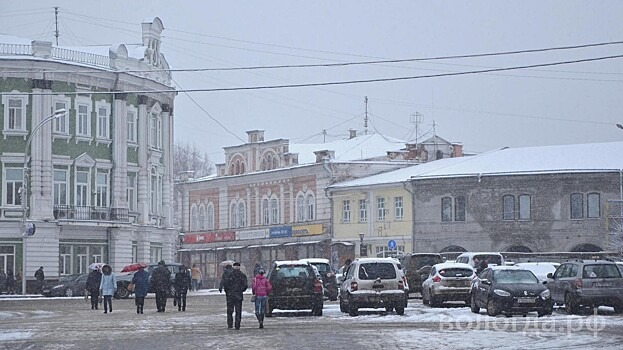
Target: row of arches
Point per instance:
(580, 248)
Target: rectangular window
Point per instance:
(155, 252)
(101, 190)
(7, 257)
(363, 210)
(134, 252)
(96, 255)
(60, 123)
(102, 123)
(16, 110)
(153, 131)
(593, 205)
(524, 207)
(380, 208)
(131, 196)
(82, 188)
(508, 207)
(446, 209)
(399, 210)
(65, 260)
(265, 212)
(346, 211)
(459, 208)
(12, 185)
(577, 206)
(132, 126)
(154, 194)
(60, 187)
(82, 259)
(300, 208)
(274, 208)
(83, 121)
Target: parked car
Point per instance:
(588, 283)
(447, 282)
(508, 290)
(67, 286)
(123, 279)
(329, 280)
(539, 269)
(417, 267)
(491, 258)
(373, 283)
(295, 287)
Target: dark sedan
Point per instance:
(508, 290)
(67, 286)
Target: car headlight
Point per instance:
(501, 293)
(545, 294)
(59, 286)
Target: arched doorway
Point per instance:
(518, 249)
(586, 247)
(453, 249)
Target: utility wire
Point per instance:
(344, 82)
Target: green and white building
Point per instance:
(100, 176)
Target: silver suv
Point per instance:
(373, 283)
(587, 283)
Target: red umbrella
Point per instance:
(134, 267)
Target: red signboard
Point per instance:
(192, 238)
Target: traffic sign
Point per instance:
(391, 244)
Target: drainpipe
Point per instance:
(404, 184)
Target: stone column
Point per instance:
(40, 181)
(143, 173)
(167, 161)
(120, 151)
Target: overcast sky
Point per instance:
(573, 103)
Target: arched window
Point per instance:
(275, 163)
(265, 212)
(202, 217)
(508, 207)
(232, 171)
(210, 216)
(274, 209)
(234, 216)
(242, 215)
(237, 167)
(242, 168)
(193, 218)
(300, 208)
(311, 205)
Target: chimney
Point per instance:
(457, 150)
(352, 133)
(41, 48)
(324, 154)
(255, 136)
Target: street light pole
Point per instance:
(29, 231)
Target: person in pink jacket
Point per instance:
(261, 288)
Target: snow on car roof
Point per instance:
(315, 260)
(447, 265)
(290, 262)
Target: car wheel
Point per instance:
(123, 292)
(353, 310)
(342, 306)
(317, 310)
(69, 292)
(389, 308)
(425, 301)
(475, 309)
(618, 309)
(570, 305)
(434, 300)
(400, 310)
(492, 309)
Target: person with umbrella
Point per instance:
(235, 284)
(161, 281)
(182, 285)
(141, 284)
(93, 286)
(108, 287)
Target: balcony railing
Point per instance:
(78, 212)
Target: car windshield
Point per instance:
(422, 261)
(290, 271)
(514, 276)
(372, 271)
(601, 271)
(455, 272)
(491, 259)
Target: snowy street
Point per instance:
(69, 323)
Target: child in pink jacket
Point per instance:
(260, 288)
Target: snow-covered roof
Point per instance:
(357, 148)
(591, 157)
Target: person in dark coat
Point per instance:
(226, 272)
(40, 277)
(182, 285)
(235, 284)
(93, 287)
(161, 282)
(10, 282)
(141, 285)
(2, 281)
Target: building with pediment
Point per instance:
(99, 183)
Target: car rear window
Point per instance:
(491, 259)
(514, 276)
(322, 268)
(454, 272)
(601, 271)
(372, 271)
(290, 271)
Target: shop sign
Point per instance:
(251, 234)
(280, 231)
(192, 238)
(307, 230)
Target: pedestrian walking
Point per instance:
(141, 285)
(182, 285)
(161, 282)
(235, 284)
(195, 272)
(261, 288)
(40, 277)
(108, 287)
(10, 282)
(93, 287)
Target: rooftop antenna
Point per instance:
(56, 34)
(416, 119)
(365, 118)
(324, 135)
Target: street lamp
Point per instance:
(29, 230)
(362, 250)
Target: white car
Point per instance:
(539, 269)
(447, 282)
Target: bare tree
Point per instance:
(187, 158)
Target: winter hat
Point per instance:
(161, 262)
(261, 271)
(236, 266)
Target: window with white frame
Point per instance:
(300, 208)
(446, 209)
(131, 191)
(310, 203)
(101, 188)
(399, 210)
(103, 120)
(525, 207)
(61, 123)
(7, 257)
(60, 187)
(380, 209)
(274, 209)
(202, 217)
(132, 125)
(593, 205)
(460, 206)
(155, 131)
(96, 255)
(15, 107)
(83, 116)
(82, 188)
(155, 192)
(233, 210)
(134, 252)
(346, 211)
(155, 252)
(508, 207)
(242, 214)
(265, 212)
(577, 205)
(210, 216)
(64, 265)
(363, 210)
(13, 180)
(81, 254)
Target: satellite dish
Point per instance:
(30, 229)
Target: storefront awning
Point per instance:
(344, 243)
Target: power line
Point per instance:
(344, 82)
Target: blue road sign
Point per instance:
(391, 244)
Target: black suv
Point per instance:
(587, 283)
(329, 279)
(295, 287)
(417, 268)
(124, 279)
